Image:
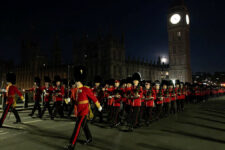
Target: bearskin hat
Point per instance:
(136, 76)
(11, 77)
(47, 79)
(57, 78)
(164, 82)
(37, 80)
(98, 79)
(129, 80)
(80, 73)
(170, 83)
(177, 82)
(123, 81)
(65, 81)
(157, 82)
(148, 81)
(72, 82)
(111, 81)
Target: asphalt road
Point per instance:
(199, 127)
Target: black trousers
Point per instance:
(81, 122)
(141, 113)
(158, 111)
(182, 101)
(5, 112)
(47, 106)
(178, 105)
(173, 107)
(97, 114)
(36, 106)
(110, 113)
(58, 109)
(116, 117)
(71, 108)
(148, 116)
(133, 116)
(166, 108)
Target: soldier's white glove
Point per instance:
(100, 109)
(109, 97)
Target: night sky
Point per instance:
(143, 21)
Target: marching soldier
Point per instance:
(11, 101)
(178, 94)
(82, 95)
(159, 100)
(58, 94)
(187, 93)
(149, 97)
(37, 93)
(73, 106)
(47, 91)
(97, 90)
(127, 95)
(116, 107)
(136, 96)
(166, 98)
(182, 96)
(173, 96)
(110, 100)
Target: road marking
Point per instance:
(27, 122)
(5, 125)
(3, 133)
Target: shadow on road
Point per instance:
(201, 125)
(153, 147)
(192, 135)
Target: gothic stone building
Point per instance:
(106, 56)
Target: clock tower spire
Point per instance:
(179, 41)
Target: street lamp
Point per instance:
(164, 60)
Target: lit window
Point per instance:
(179, 34)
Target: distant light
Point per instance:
(164, 60)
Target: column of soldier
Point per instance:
(128, 102)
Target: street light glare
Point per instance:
(164, 60)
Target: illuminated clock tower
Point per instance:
(179, 41)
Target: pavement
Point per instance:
(199, 127)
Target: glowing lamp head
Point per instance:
(164, 60)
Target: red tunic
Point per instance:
(166, 96)
(48, 92)
(149, 103)
(158, 95)
(172, 94)
(12, 91)
(110, 96)
(37, 93)
(84, 94)
(136, 102)
(59, 93)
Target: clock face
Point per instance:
(175, 19)
(187, 19)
